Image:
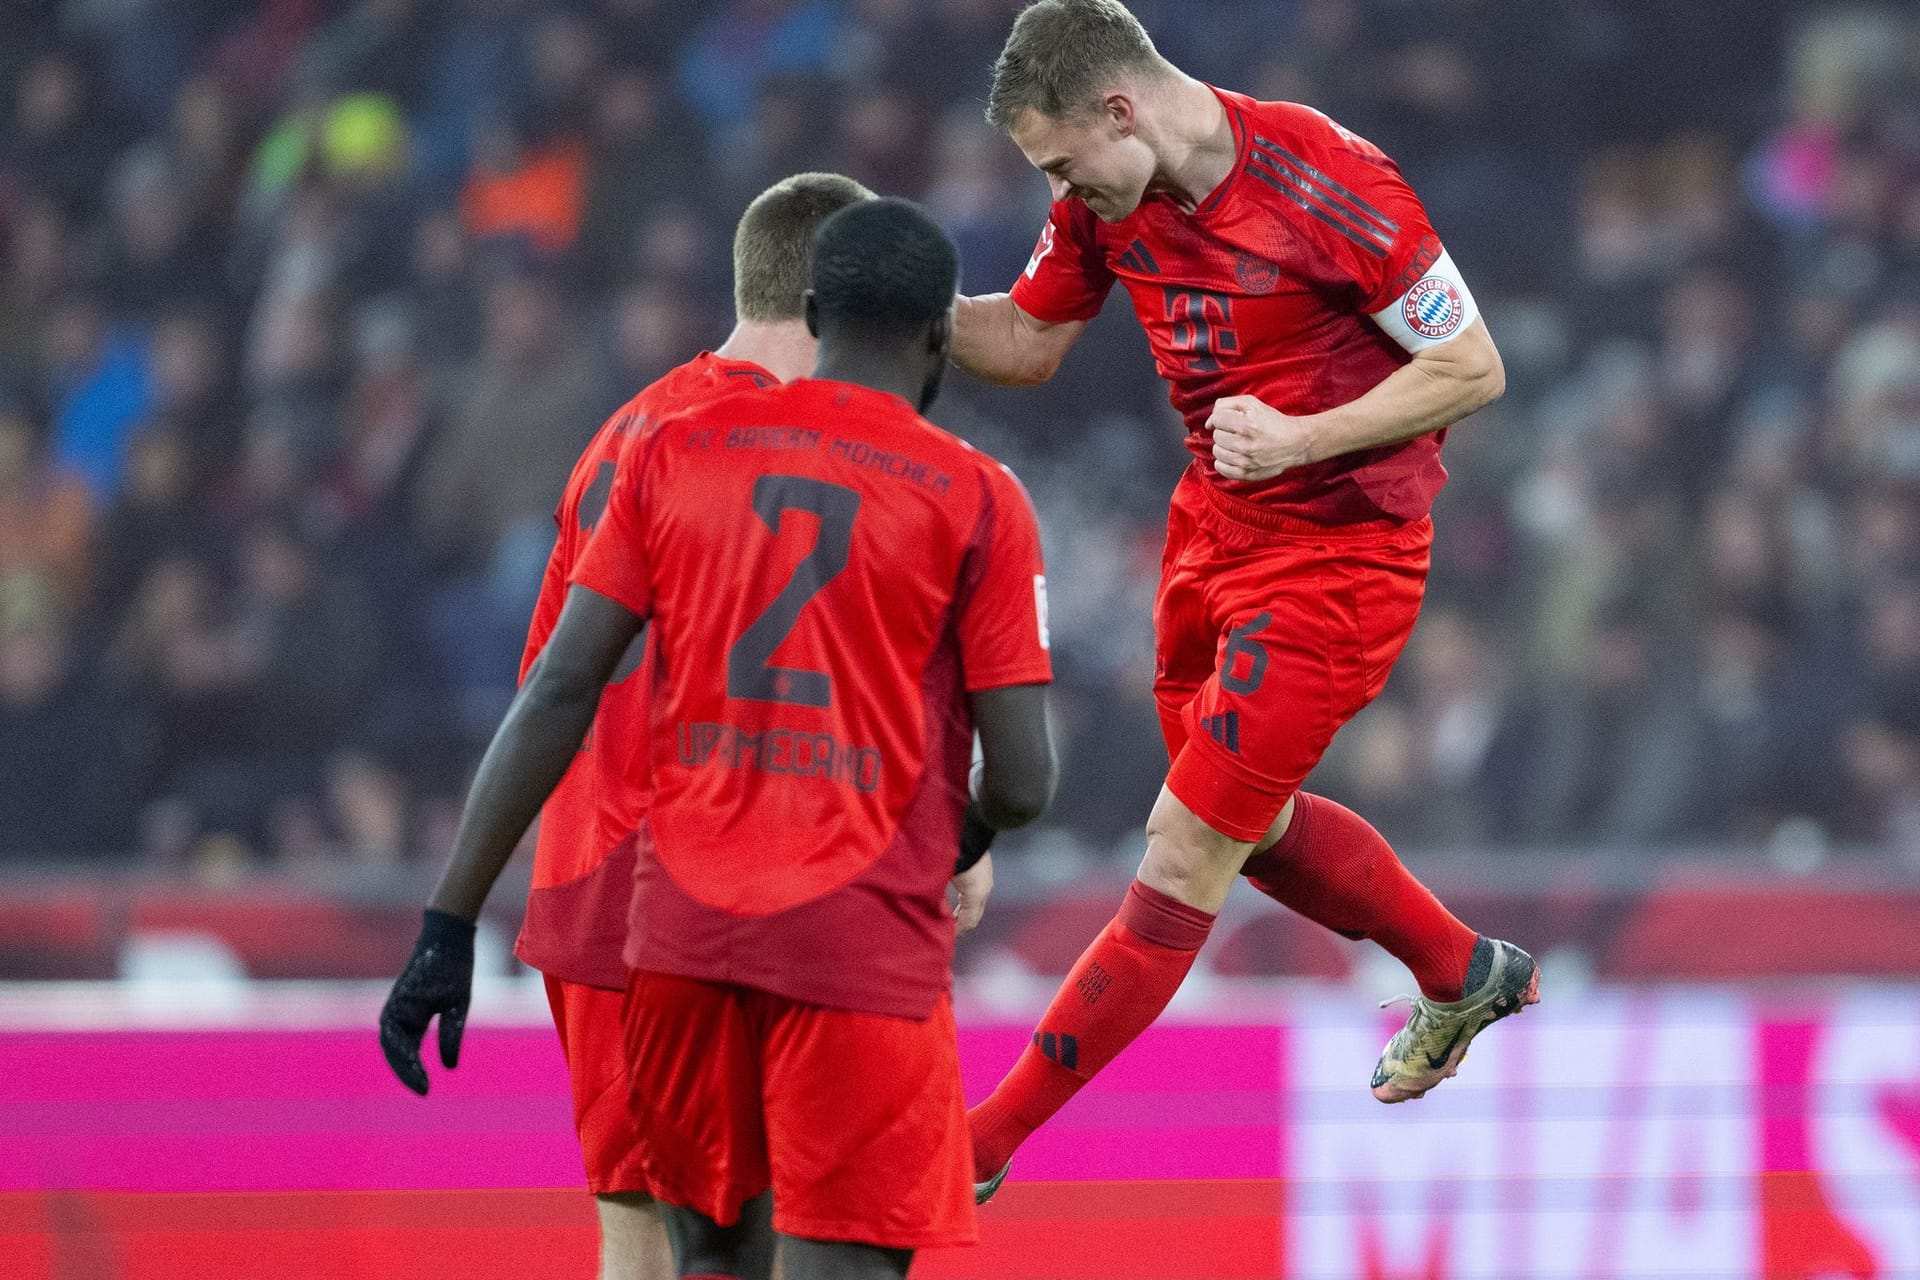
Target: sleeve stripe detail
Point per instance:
(1268, 164)
(1274, 151)
(1293, 193)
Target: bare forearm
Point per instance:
(985, 341)
(1410, 403)
(529, 754)
(1428, 393)
(997, 342)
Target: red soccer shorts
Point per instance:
(1270, 634)
(593, 1039)
(856, 1120)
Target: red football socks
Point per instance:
(1118, 987)
(1333, 868)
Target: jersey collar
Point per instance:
(746, 369)
(1242, 143)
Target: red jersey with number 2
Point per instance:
(576, 922)
(827, 576)
(1303, 279)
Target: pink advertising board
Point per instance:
(1613, 1134)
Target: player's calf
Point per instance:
(1119, 985)
(1330, 865)
(1188, 860)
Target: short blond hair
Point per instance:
(1061, 53)
(773, 245)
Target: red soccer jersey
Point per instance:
(576, 920)
(1271, 288)
(827, 576)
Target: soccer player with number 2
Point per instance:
(838, 595)
(583, 865)
(1318, 340)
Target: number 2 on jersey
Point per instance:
(750, 670)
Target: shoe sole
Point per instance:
(984, 1191)
(1503, 1006)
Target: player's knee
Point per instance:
(628, 1213)
(1277, 831)
(633, 1240)
(1186, 858)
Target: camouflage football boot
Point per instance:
(1501, 979)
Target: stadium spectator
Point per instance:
(487, 485)
(62, 140)
(38, 262)
(46, 517)
(1457, 715)
(158, 258)
(59, 740)
(728, 58)
(372, 46)
(153, 520)
(526, 186)
(1611, 752)
(97, 377)
(643, 153)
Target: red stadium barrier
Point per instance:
(1686, 925)
(1725, 927)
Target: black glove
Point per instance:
(437, 980)
(975, 838)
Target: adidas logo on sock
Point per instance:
(1062, 1049)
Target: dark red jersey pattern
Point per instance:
(1266, 290)
(577, 913)
(827, 576)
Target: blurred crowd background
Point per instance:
(307, 306)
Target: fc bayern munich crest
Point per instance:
(1255, 274)
(1433, 308)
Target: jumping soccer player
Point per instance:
(576, 920)
(1318, 340)
(840, 595)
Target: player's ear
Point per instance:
(1120, 115)
(812, 311)
(940, 335)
